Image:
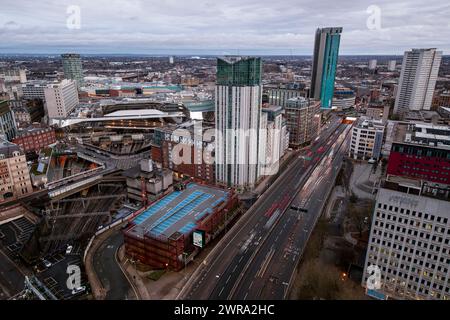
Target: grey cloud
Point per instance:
(264, 25)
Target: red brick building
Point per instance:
(34, 138)
(422, 152)
(181, 152)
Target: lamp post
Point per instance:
(285, 285)
(185, 254)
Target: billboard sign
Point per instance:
(199, 238)
(376, 294)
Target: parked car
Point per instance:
(46, 263)
(69, 249)
(78, 290)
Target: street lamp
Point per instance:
(185, 254)
(285, 285)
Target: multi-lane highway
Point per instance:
(268, 228)
(271, 273)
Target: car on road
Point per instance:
(46, 263)
(78, 290)
(69, 249)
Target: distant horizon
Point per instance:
(193, 54)
(205, 27)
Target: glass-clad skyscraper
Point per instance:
(72, 67)
(326, 51)
(238, 116)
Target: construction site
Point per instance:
(48, 233)
(116, 144)
(66, 165)
(162, 235)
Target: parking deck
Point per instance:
(178, 211)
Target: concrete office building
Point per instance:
(343, 98)
(418, 77)
(378, 112)
(8, 127)
(145, 176)
(372, 64)
(391, 65)
(279, 95)
(61, 98)
(274, 145)
(410, 242)
(72, 68)
(14, 75)
(410, 234)
(34, 90)
(238, 116)
(342, 103)
(367, 140)
(302, 120)
(326, 51)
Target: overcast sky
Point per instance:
(221, 26)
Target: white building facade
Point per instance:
(34, 90)
(238, 121)
(367, 140)
(14, 75)
(418, 77)
(409, 243)
(61, 98)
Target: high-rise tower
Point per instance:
(418, 77)
(238, 116)
(72, 67)
(326, 51)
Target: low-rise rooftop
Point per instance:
(178, 212)
(423, 134)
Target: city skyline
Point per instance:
(228, 27)
(246, 151)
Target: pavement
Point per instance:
(337, 194)
(253, 245)
(165, 288)
(363, 179)
(106, 277)
(135, 278)
(11, 277)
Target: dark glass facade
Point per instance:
(326, 52)
(239, 71)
